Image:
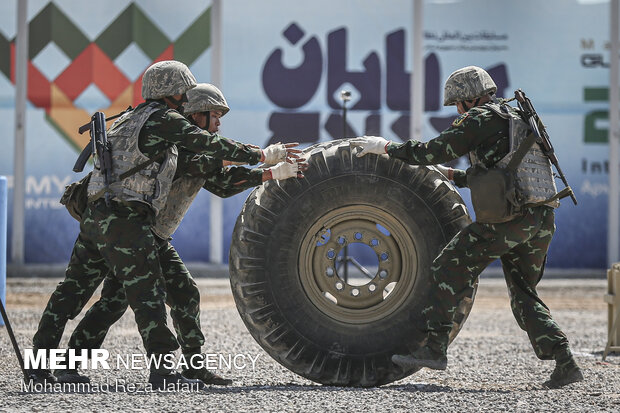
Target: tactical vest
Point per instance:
(151, 184)
(534, 177)
(182, 194)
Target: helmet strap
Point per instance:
(468, 104)
(208, 115)
(191, 120)
(465, 105)
(178, 102)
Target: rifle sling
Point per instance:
(141, 166)
(521, 151)
(86, 126)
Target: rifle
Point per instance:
(100, 148)
(89, 149)
(543, 137)
(9, 330)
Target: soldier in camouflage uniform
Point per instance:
(206, 103)
(115, 235)
(488, 130)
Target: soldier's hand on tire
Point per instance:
(285, 170)
(369, 144)
(279, 152)
(447, 172)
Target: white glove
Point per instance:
(274, 153)
(284, 170)
(369, 144)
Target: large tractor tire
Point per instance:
(287, 263)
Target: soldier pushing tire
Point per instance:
(328, 272)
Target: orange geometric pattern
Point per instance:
(93, 63)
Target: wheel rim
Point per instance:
(373, 293)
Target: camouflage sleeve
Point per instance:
(466, 132)
(226, 182)
(166, 126)
(223, 182)
(220, 192)
(194, 165)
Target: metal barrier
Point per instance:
(612, 298)
(3, 231)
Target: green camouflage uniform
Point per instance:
(521, 244)
(118, 240)
(183, 296)
(223, 182)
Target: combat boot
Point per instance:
(423, 357)
(566, 372)
(206, 376)
(40, 376)
(70, 376)
(171, 379)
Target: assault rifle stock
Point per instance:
(90, 149)
(530, 114)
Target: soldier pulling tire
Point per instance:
(293, 295)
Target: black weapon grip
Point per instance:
(97, 132)
(83, 158)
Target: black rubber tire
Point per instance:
(266, 251)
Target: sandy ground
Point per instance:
(491, 364)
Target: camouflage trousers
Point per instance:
(113, 240)
(521, 245)
(182, 296)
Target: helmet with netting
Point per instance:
(468, 83)
(167, 78)
(205, 97)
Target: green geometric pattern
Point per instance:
(132, 25)
(188, 48)
(52, 25)
(5, 56)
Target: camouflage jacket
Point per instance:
(166, 127)
(193, 173)
(479, 130)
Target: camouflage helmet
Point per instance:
(166, 78)
(205, 97)
(467, 83)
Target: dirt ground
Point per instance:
(491, 364)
